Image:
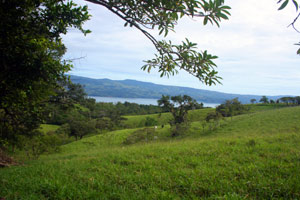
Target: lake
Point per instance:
(138, 101)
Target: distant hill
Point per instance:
(139, 89)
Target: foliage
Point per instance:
(31, 51)
(104, 123)
(296, 4)
(213, 116)
(179, 108)
(213, 120)
(150, 121)
(264, 99)
(253, 101)
(68, 94)
(80, 128)
(231, 108)
(40, 143)
(163, 15)
(140, 135)
(290, 100)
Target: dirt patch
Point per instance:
(5, 160)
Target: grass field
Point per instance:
(251, 156)
(164, 118)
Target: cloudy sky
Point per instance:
(255, 49)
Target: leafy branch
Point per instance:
(282, 6)
(163, 15)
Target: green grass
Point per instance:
(265, 107)
(48, 127)
(252, 156)
(164, 118)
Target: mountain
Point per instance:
(138, 89)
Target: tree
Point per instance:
(67, 94)
(290, 100)
(296, 4)
(297, 100)
(264, 99)
(253, 101)
(163, 15)
(80, 128)
(31, 51)
(179, 107)
(284, 100)
(214, 117)
(231, 108)
(164, 103)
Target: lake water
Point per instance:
(138, 101)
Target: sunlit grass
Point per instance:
(252, 156)
(48, 127)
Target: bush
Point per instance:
(150, 121)
(141, 135)
(231, 108)
(179, 128)
(104, 123)
(40, 143)
(78, 129)
(213, 119)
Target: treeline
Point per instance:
(286, 100)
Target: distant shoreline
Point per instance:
(142, 101)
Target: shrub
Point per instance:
(179, 128)
(40, 143)
(150, 121)
(78, 129)
(231, 108)
(141, 135)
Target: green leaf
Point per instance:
(205, 20)
(296, 5)
(223, 16)
(283, 5)
(225, 7)
(298, 52)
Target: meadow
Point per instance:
(251, 156)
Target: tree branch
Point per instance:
(293, 23)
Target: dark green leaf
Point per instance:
(283, 5)
(205, 20)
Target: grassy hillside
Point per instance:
(253, 156)
(164, 118)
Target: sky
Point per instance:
(255, 47)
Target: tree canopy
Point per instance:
(162, 15)
(178, 106)
(264, 99)
(31, 51)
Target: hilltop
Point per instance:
(139, 89)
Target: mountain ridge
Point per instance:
(130, 88)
